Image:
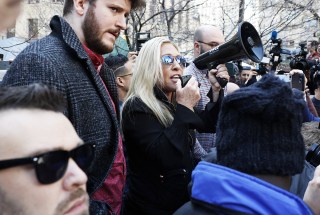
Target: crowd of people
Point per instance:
(81, 134)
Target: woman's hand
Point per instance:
(189, 95)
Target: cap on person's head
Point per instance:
(245, 68)
(259, 129)
(116, 61)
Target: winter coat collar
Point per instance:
(162, 97)
(61, 28)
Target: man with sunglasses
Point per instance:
(42, 159)
(206, 37)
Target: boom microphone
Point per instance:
(245, 44)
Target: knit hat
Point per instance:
(259, 129)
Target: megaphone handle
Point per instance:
(222, 81)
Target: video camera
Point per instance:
(300, 60)
(261, 68)
(276, 52)
(141, 38)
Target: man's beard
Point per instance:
(91, 33)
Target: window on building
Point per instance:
(33, 28)
(33, 1)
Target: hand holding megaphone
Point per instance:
(221, 72)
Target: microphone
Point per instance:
(274, 35)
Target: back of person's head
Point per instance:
(115, 61)
(259, 129)
(34, 96)
(120, 71)
(147, 74)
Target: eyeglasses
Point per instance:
(168, 59)
(211, 44)
(51, 166)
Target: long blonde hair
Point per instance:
(147, 74)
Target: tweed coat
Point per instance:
(60, 60)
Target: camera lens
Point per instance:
(313, 155)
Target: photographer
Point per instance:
(246, 76)
(158, 122)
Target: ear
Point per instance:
(80, 6)
(196, 46)
(119, 81)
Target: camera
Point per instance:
(313, 155)
(261, 68)
(294, 81)
(276, 52)
(141, 38)
(299, 61)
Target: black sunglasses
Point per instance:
(51, 166)
(211, 44)
(168, 59)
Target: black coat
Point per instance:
(160, 159)
(59, 60)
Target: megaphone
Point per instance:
(245, 44)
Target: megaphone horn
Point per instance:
(246, 43)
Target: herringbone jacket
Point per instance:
(60, 60)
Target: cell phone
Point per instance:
(286, 77)
(297, 81)
(184, 80)
(294, 81)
